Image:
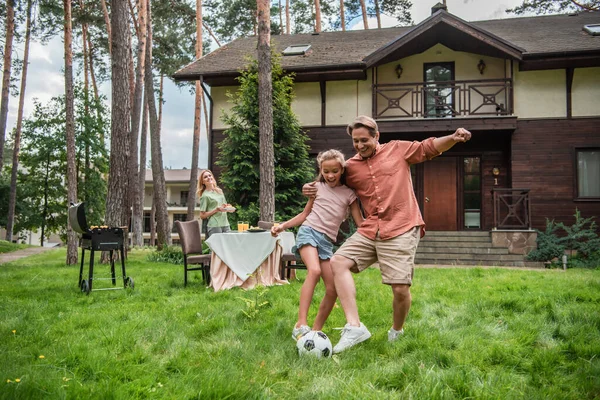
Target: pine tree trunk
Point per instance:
(287, 17)
(280, 19)
(378, 13)
(158, 173)
(365, 17)
(134, 168)
(265, 114)
(70, 132)
(8, 42)
(108, 28)
(12, 201)
(317, 16)
(138, 209)
(197, 120)
(116, 201)
(342, 16)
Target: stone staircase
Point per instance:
(467, 248)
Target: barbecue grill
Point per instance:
(98, 238)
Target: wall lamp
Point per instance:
(495, 172)
(399, 71)
(481, 66)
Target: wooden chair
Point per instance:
(191, 244)
(288, 260)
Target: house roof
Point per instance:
(522, 39)
(172, 175)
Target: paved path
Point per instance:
(15, 255)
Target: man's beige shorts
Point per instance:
(396, 256)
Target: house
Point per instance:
(527, 88)
(178, 184)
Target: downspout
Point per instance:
(210, 123)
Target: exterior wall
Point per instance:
(540, 94)
(220, 104)
(307, 103)
(586, 92)
(543, 161)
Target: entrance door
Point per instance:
(440, 194)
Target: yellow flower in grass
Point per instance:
(8, 381)
(17, 380)
(42, 356)
(14, 331)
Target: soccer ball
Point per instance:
(314, 343)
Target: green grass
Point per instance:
(472, 333)
(6, 247)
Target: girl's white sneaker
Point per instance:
(393, 334)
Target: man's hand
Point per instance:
(276, 230)
(309, 189)
(461, 135)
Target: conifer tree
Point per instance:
(239, 151)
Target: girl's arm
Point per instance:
(356, 214)
(297, 220)
(208, 214)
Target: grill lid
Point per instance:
(77, 217)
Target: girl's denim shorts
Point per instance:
(308, 236)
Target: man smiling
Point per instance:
(393, 225)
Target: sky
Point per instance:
(45, 79)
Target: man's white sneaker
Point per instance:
(351, 335)
(393, 334)
(300, 331)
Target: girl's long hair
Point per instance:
(202, 187)
(331, 155)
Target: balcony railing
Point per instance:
(445, 99)
(512, 209)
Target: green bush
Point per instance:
(548, 244)
(169, 254)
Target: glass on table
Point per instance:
(240, 226)
(246, 225)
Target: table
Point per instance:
(247, 259)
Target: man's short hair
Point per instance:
(363, 121)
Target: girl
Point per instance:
(213, 204)
(321, 220)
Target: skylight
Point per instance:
(592, 29)
(296, 50)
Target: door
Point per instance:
(440, 194)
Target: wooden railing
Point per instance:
(443, 99)
(512, 209)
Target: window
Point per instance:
(438, 90)
(472, 192)
(178, 217)
(147, 219)
(296, 50)
(588, 173)
(592, 29)
(183, 198)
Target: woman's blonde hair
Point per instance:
(330, 155)
(202, 187)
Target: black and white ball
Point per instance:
(316, 344)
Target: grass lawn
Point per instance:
(6, 247)
(472, 333)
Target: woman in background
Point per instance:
(213, 205)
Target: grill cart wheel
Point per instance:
(130, 282)
(85, 288)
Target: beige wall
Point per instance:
(307, 103)
(540, 94)
(220, 104)
(586, 92)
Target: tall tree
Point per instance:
(265, 113)
(342, 17)
(554, 6)
(158, 173)
(136, 192)
(317, 16)
(287, 16)
(70, 131)
(365, 16)
(17, 140)
(378, 14)
(239, 151)
(116, 198)
(8, 42)
(197, 120)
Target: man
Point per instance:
(393, 225)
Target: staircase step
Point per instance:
(476, 263)
(457, 238)
(452, 245)
(461, 250)
(470, 256)
(457, 233)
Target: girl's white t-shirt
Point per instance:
(330, 209)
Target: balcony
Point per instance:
(444, 99)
